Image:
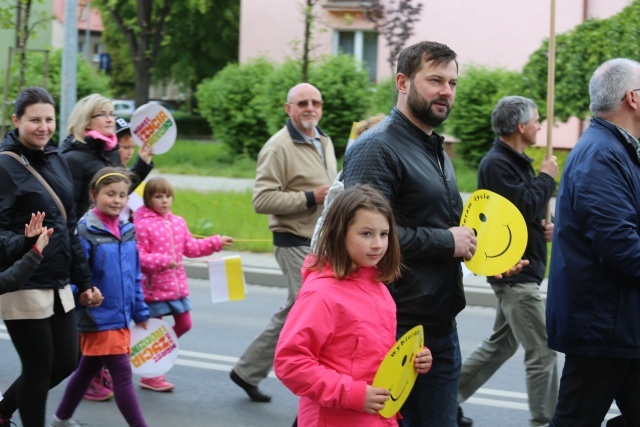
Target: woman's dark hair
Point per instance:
(29, 96)
(330, 248)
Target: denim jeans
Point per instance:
(433, 400)
(589, 386)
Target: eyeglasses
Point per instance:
(305, 103)
(625, 94)
(104, 115)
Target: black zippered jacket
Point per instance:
(21, 194)
(412, 170)
(85, 159)
(509, 173)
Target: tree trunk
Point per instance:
(306, 44)
(22, 39)
(143, 82)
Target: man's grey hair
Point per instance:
(609, 83)
(510, 112)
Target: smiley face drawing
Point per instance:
(397, 372)
(500, 229)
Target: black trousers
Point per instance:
(48, 351)
(588, 387)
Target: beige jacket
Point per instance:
(288, 167)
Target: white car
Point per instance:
(124, 107)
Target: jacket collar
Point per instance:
(508, 150)
(431, 140)
(631, 146)
(11, 142)
(297, 136)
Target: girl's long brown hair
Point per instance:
(330, 247)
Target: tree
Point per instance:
(477, 93)
(578, 53)
(309, 19)
(395, 23)
(189, 53)
(18, 15)
(194, 52)
(144, 35)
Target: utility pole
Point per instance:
(87, 34)
(68, 83)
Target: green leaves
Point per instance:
(478, 91)
(244, 104)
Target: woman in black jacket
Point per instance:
(39, 317)
(92, 144)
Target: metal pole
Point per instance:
(87, 34)
(68, 84)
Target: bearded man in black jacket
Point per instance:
(405, 160)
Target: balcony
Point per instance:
(346, 5)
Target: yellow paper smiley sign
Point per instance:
(397, 372)
(500, 230)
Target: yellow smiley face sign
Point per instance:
(397, 372)
(500, 230)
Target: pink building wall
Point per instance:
(494, 33)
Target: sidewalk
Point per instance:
(262, 269)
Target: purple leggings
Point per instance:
(120, 369)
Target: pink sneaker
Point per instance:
(106, 379)
(97, 390)
(156, 384)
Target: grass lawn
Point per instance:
(232, 214)
(204, 158)
(229, 214)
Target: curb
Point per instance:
(476, 289)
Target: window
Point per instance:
(363, 45)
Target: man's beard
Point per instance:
(309, 124)
(422, 109)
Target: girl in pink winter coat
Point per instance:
(343, 322)
(163, 239)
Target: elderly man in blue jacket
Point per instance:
(593, 300)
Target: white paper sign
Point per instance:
(153, 350)
(154, 125)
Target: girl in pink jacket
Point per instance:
(343, 322)
(163, 239)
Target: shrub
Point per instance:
(539, 153)
(346, 94)
(191, 125)
(244, 103)
(230, 101)
(384, 96)
(478, 91)
(274, 94)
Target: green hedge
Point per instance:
(190, 125)
(244, 104)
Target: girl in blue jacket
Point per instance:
(110, 246)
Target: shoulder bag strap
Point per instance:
(42, 180)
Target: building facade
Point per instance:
(493, 33)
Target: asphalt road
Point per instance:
(204, 396)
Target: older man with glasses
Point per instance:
(593, 299)
(295, 169)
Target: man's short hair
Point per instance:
(412, 57)
(510, 112)
(609, 83)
